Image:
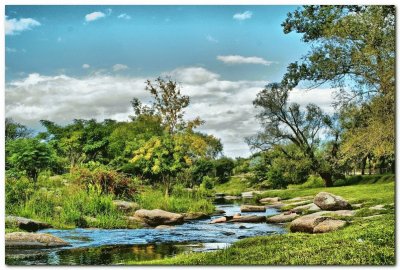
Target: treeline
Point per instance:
(157, 146)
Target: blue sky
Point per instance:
(65, 62)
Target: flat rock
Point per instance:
(221, 219)
(27, 224)
(249, 219)
(372, 217)
(281, 218)
(247, 195)
(328, 201)
(277, 205)
(377, 207)
(304, 198)
(306, 223)
(307, 207)
(125, 206)
(232, 198)
(252, 208)
(269, 200)
(161, 227)
(329, 225)
(195, 216)
(33, 240)
(357, 205)
(158, 217)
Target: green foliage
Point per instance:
(14, 130)
(313, 181)
(17, 191)
(223, 169)
(29, 156)
(108, 181)
(180, 201)
(235, 186)
(208, 182)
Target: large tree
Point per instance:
(353, 49)
(285, 123)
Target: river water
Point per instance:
(118, 246)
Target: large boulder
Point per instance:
(248, 219)
(306, 223)
(329, 225)
(27, 224)
(195, 216)
(328, 201)
(125, 206)
(33, 240)
(281, 218)
(158, 217)
(252, 208)
(269, 200)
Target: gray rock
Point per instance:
(247, 195)
(33, 240)
(377, 207)
(252, 208)
(282, 218)
(158, 217)
(329, 225)
(248, 219)
(269, 200)
(306, 223)
(232, 198)
(27, 224)
(221, 219)
(160, 227)
(328, 201)
(195, 216)
(307, 207)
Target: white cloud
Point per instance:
(124, 16)
(119, 67)
(15, 26)
(238, 59)
(211, 39)
(243, 16)
(225, 105)
(85, 66)
(94, 16)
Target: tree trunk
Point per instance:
(363, 165)
(327, 177)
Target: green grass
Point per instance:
(362, 242)
(235, 186)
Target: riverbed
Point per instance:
(119, 246)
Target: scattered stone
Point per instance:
(372, 217)
(306, 223)
(328, 201)
(252, 208)
(311, 207)
(136, 221)
(33, 240)
(305, 198)
(247, 195)
(377, 207)
(329, 225)
(232, 198)
(195, 216)
(242, 227)
(228, 233)
(249, 219)
(237, 215)
(221, 219)
(277, 205)
(270, 200)
(281, 218)
(160, 227)
(344, 213)
(299, 203)
(125, 206)
(158, 217)
(357, 205)
(27, 224)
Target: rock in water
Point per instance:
(329, 225)
(158, 217)
(195, 216)
(248, 219)
(33, 240)
(252, 208)
(27, 224)
(328, 201)
(281, 218)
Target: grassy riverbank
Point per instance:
(365, 241)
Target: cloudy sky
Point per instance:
(66, 62)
